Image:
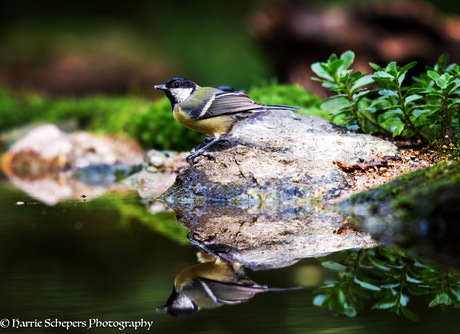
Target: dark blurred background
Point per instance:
(86, 47)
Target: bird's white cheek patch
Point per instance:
(181, 94)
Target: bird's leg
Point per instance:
(200, 149)
(205, 142)
(191, 158)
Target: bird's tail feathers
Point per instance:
(279, 107)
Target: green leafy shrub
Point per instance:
(389, 278)
(379, 103)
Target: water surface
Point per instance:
(108, 258)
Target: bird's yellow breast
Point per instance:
(220, 272)
(212, 127)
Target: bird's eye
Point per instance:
(176, 85)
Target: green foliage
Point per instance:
(158, 129)
(152, 124)
(98, 113)
(389, 277)
(349, 87)
(428, 109)
(163, 222)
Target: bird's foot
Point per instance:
(201, 150)
(192, 158)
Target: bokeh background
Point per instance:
(89, 47)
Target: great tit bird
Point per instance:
(210, 110)
(211, 284)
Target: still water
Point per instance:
(90, 261)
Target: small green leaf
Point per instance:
(332, 57)
(354, 127)
(419, 112)
(330, 85)
(386, 92)
(456, 293)
(401, 78)
(403, 300)
(442, 62)
(335, 103)
(348, 57)
(319, 70)
(366, 285)
(363, 81)
(360, 94)
(319, 300)
(441, 82)
(391, 68)
(413, 280)
(334, 67)
(338, 112)
(413, 97)
(383, 75)
(433, 75)
(396, 111)
(333, 266)
(383, 305)
(390, 286)
(350, 312)
(406, 68)
(379, 264)
(376, 67)
(452, 86)
(397, 131)
(409, 314)
(441, 299)
(345, 74)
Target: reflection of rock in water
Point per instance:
(212, 283)
(158, 173)
(43, 163)
(57, 187)
(269, 238)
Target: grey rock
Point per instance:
(275, 157)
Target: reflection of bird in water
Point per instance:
(211, 284)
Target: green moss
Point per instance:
(151, 123)
(157, 128)
(419, 195)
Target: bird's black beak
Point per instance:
(162, 87)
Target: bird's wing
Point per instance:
(230, 293)
(225, 103)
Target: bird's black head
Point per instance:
(179, 306)
(178, 89)
(180, 83)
